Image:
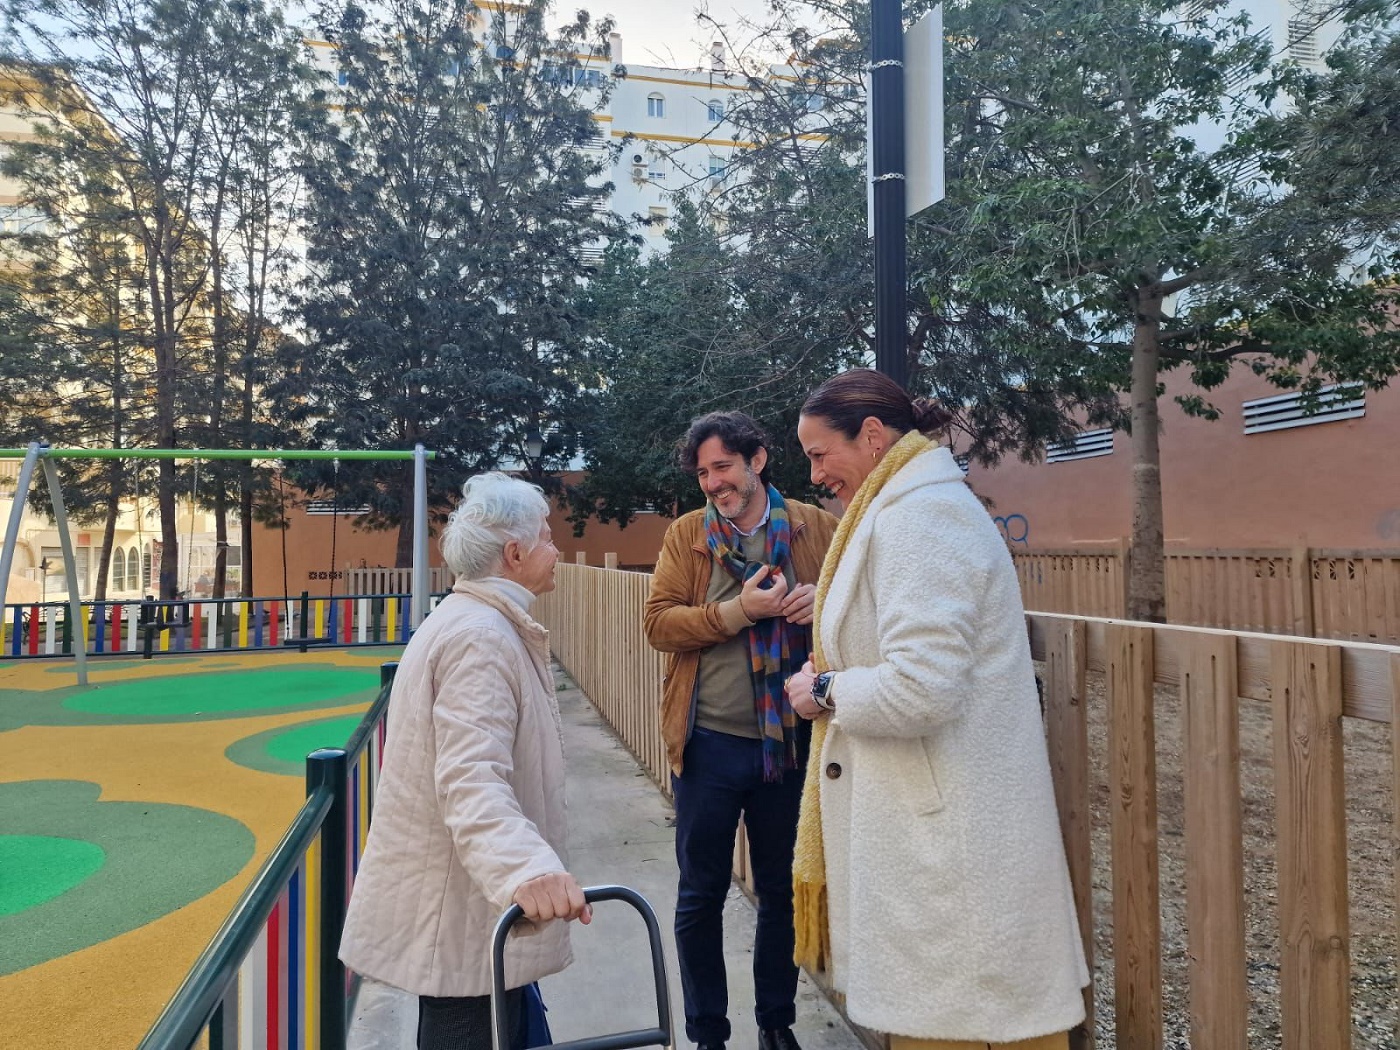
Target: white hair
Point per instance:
(495, 509)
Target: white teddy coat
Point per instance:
(950, 904)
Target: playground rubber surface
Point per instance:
(133, 812)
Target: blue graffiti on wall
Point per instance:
(1015, 528)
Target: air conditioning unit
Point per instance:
(639, 173)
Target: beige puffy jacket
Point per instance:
(470, 805)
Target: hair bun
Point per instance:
(929, 416)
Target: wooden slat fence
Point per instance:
(1311, 687)
(395, 581)
(1341, 594)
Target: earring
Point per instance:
(874, 455)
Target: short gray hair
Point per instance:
(495, 509)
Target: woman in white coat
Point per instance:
(469, 816)
(930, 876)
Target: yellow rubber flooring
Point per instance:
(133, 812)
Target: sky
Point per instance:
(666, 32)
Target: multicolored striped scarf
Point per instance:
(776, 648)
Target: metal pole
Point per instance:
(887, 148)
(7, 554)
(328, 768)
(419, 606)
(70, 569)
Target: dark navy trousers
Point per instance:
(722, 777)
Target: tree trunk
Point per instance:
(164, 303)
(403, 553)
(109, 528)
(114, 474)
(220, 540)
(245, 520)
(216, 409)
(1147, 581)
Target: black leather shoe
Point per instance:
(711, 1046)
(777, 1039)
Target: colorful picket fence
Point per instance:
(270, 979)
(209, 626)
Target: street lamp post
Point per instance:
(887, 173)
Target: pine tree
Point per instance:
(447, 224)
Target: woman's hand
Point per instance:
(554, 896)
(800, 605)
(799, 692)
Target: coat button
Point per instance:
(833, 770)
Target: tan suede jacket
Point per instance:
(679, 623)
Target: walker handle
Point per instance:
(661, 1035)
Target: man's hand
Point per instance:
(800, 606)
(554, 896)
(759, 604)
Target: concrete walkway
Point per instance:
(621, 832)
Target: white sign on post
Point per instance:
(923, 120)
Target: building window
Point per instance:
(656, 170)
(342, 78)
(1330, 404)
(714, 109)
(1087, 444)
(716, 168)
(118, 569)
(19, 220)
(146, 569)
(505, 52)
(656, 220)
(589, 78)
(656, 105)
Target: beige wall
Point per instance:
(1326, 485)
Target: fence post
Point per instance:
(610, 561)
(1301, 575)
(580, 557)
(387, 670)
(326, 768)
(1125, 557)
(305, 606)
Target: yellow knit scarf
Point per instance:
(813, 949)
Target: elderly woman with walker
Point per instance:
(930, 876)
(469, 815)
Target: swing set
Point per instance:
(40, 454)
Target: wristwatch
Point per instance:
(821, 690)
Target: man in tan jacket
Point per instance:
(731, 605)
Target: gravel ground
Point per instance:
(1375, 1004)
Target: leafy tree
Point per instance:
(1088, 241)
(1089, 213)
(264, 102)
(120, 75)
(77, 277)
(768, 289)
(446, 226)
